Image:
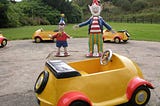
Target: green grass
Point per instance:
(138, 31)
(25, 32)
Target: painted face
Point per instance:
(61, 27)
(95, 10)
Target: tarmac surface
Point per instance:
(21, 61)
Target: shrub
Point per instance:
(126, 5)
(138, 5)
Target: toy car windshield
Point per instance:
(61, 70)
(122, 31)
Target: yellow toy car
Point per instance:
(41, 35)
(107, 81)
(116, 37)
(3, 40)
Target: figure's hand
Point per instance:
(41, 29)
(75, 26)
(50, 35)
(112, 31)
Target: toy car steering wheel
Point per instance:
(106, 57)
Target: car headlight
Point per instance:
(41, 82)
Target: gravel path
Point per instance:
(21, 62)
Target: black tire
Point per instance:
(117, 40)
(140, 96)
(41, 82)
(125, 40)
(4, 43)
(103, 40)
(37, 40)
(79, 103)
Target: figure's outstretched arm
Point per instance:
(53, 36)
(68, 36)
(85, 23)
(82, 24)
(107, 26)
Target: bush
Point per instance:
(26, 21)
(76, 14)
(138, 5)
(53, 16)
(13, 15)
(126, 5)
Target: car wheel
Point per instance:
(79, 103)
(140, 96)
(117, 40)
(38, 40)
(4, 43)
(41, 82)
(103, 40)
(53, 40)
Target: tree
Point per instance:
(3, 9)
(76, 14)
(154, 3)
(66, 7)
(36, 13)
(82, 3)
(9, 14)
(126, 5)
(13, 15)
(139, 5)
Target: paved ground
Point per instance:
(21, 62)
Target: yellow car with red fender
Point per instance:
(117, 36)
(3, 40)
(41, 35)
(107, 81)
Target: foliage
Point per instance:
(45, 12)
(134, 5)
(82, 3)
(13, 16)
(76, 14)
(153, 3)
(126, 5)
(3, 11)
(138, 5)
(37, 12)
(138, 9)
(72, 11)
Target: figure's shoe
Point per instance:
(89, 55)
(57, 54)
(66, 54)
(99, 54)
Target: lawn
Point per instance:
(138, 31)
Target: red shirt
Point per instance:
(95, 28)
(61, 36)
